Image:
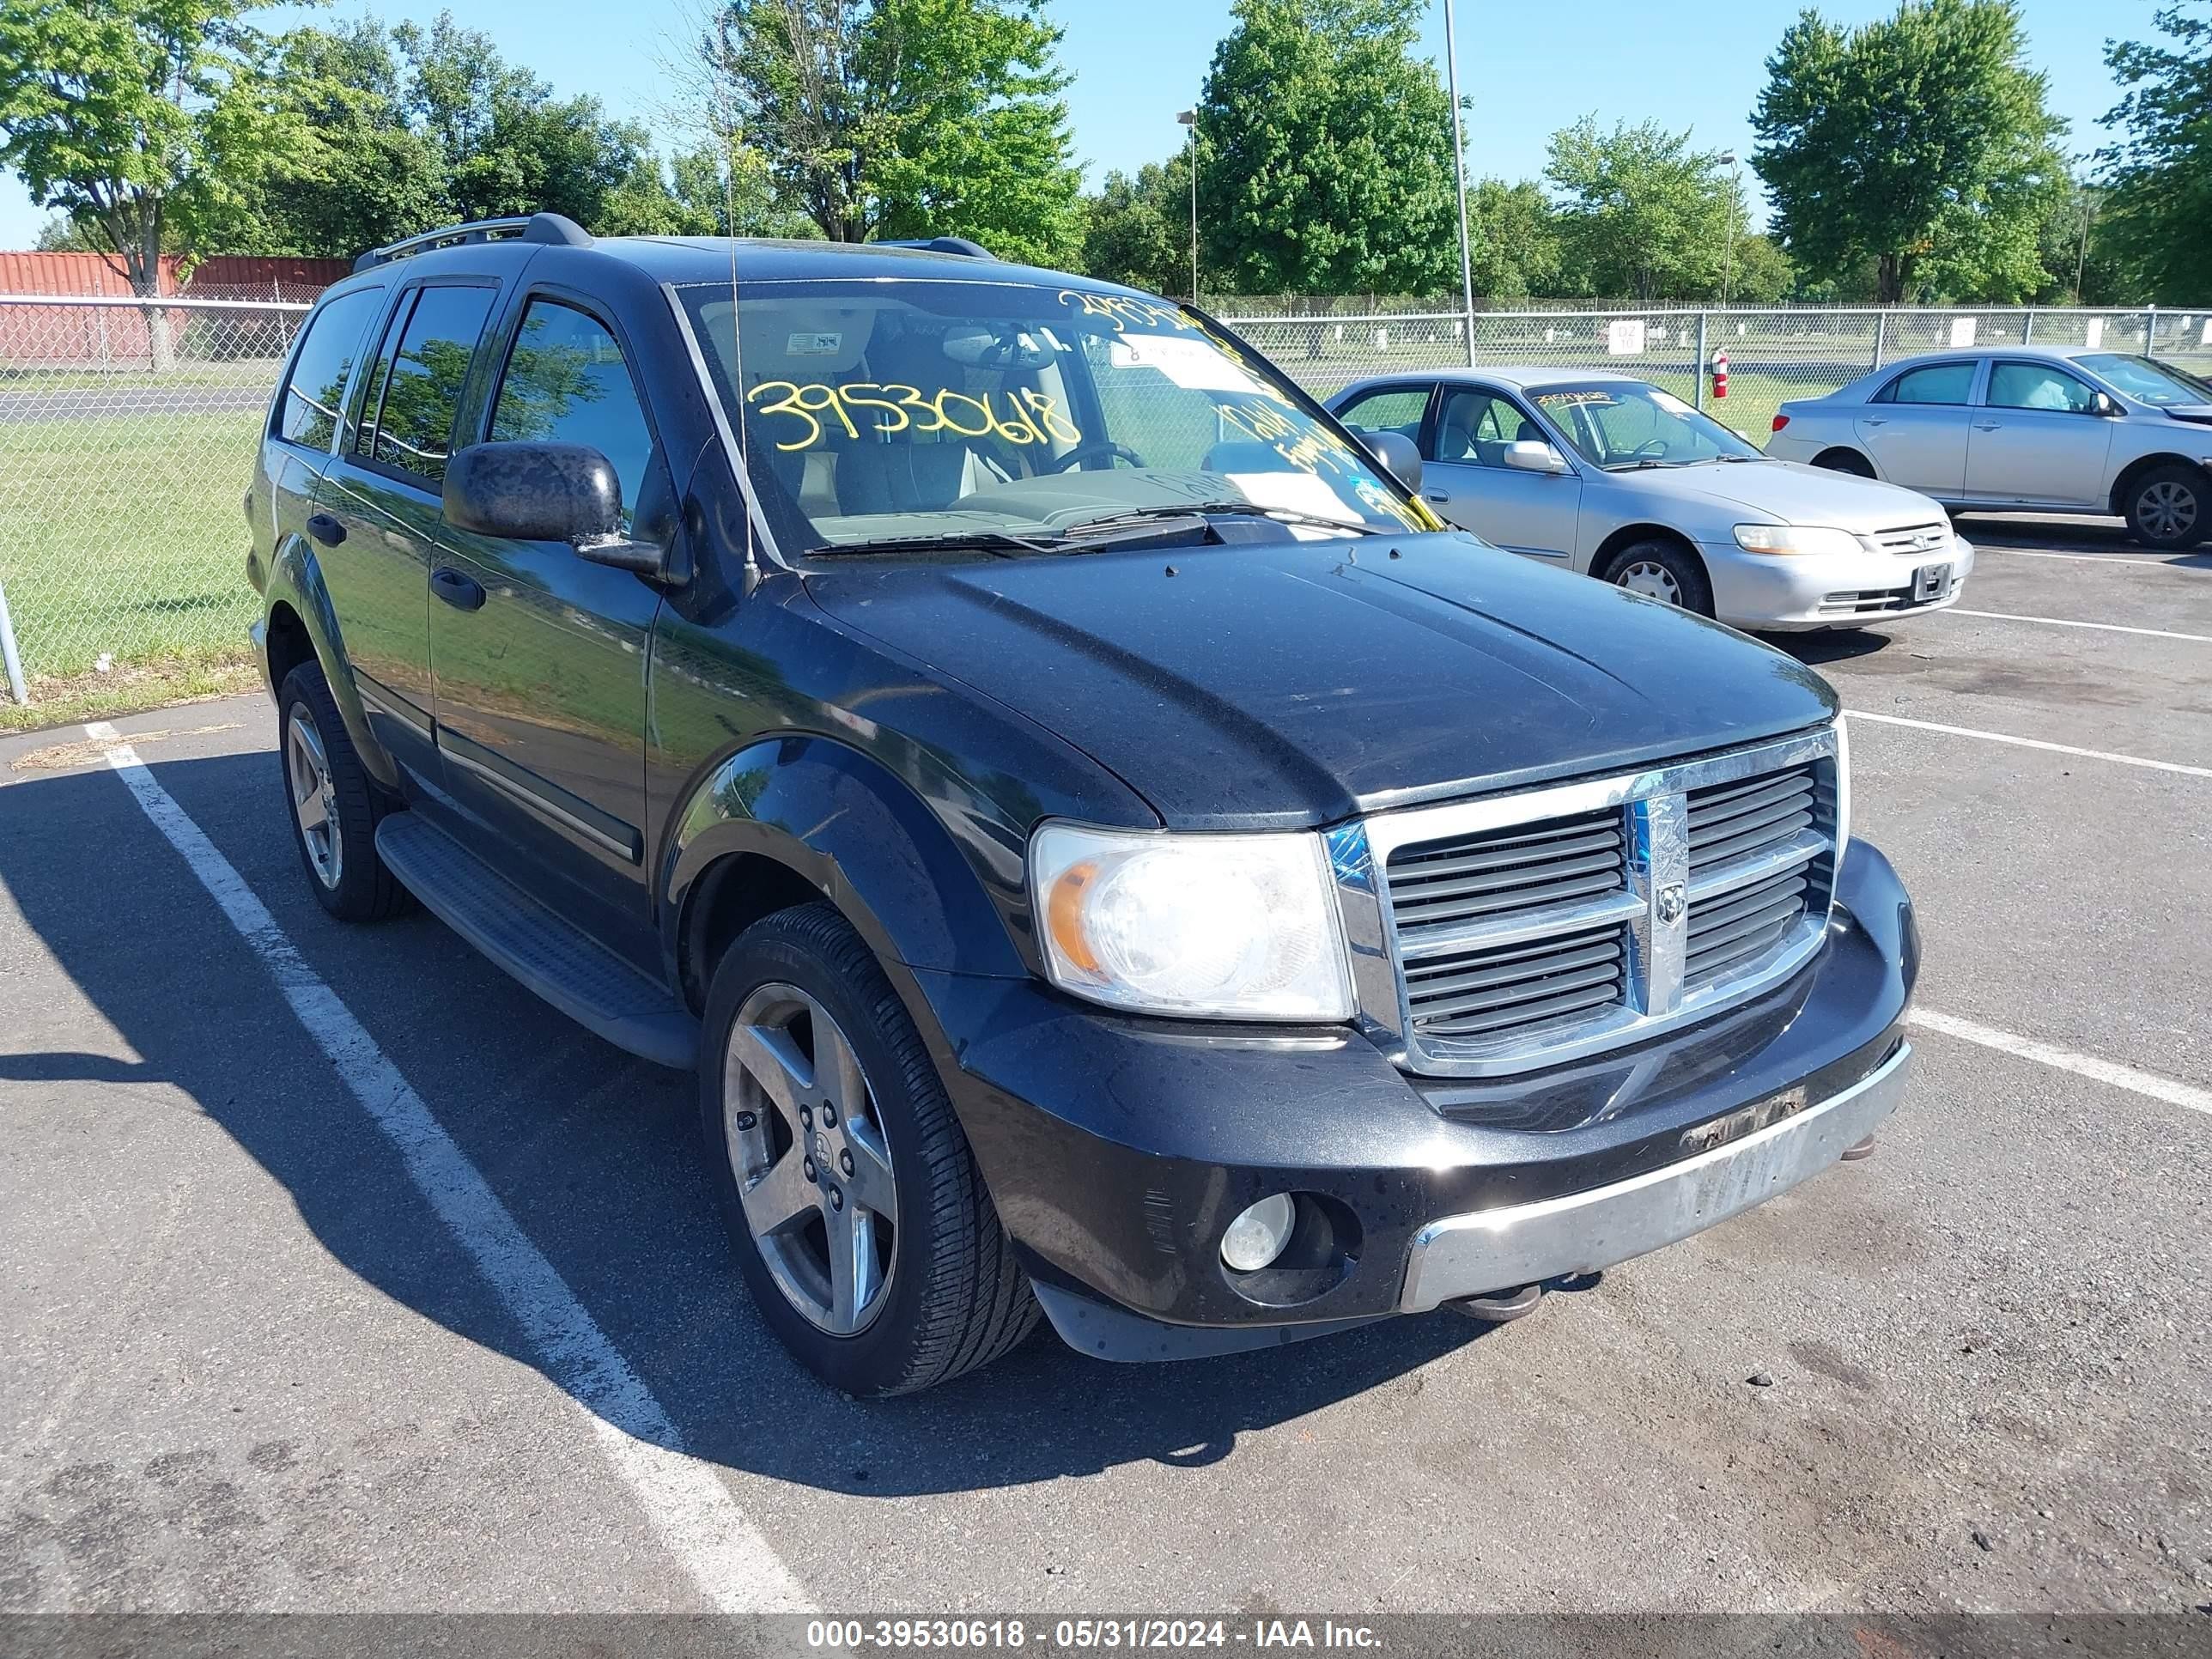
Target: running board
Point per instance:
(584, 979)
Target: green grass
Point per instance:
(125, 536)
(129, 691)
(258, 373)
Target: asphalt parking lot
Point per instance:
(448, 1323)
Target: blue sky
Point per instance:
(1529, 68)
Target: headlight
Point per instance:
(1224, 927)
(1795, 538)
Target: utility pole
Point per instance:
(1459, 179)
(1736, 190)
(1189, 118)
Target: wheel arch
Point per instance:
(2132, 474)
(1824, 459)
(793, 819)
(299, 620)
(1628, 535)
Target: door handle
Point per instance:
(1877, 420)
(1437, 496)
(462, 592)
(1989, 426)
(326, 529)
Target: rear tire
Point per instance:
(829, 1140)
(2170, 507)
(1662, 570)
(332, 804)
(1845, 460)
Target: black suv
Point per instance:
(1102, 844)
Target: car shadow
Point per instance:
(595, 1156)
(1835, 645)
(2088, 537)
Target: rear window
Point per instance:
(308, 412)
(409, 421)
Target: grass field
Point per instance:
(123, 537)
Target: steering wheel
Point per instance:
(1652, 449)
(1081, 452)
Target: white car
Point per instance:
(2025, 429)
(1604, 474)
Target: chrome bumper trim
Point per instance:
(1581, 1232)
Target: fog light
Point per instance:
(1257, 1237)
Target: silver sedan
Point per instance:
(2038, 428)
(1606, 475)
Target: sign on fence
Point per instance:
(1623, 337)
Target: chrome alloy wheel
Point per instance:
(1652, 579)
(813, 1167)
(314, 801)
(2168, 509)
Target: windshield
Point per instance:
(1010, 414)
(1622, 424)
(2145, 381)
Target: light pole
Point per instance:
(1459, 179)
(1735, 188)
(1189, 118)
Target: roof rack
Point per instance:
(553, 229)
(942, 245)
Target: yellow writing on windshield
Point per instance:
(1123, 309)
(1020, 416)
(1575, 399)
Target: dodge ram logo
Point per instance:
(1673, 900)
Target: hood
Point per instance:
(1787, 493)
(1281, 686)
(2195, 413)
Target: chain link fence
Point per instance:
(127, 429)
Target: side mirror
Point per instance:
(546, 492)
(1533, 455)
(2104, 403)
(1396, 452)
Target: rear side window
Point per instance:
(1935, 383)
(565, 382)
(1397, 409)
(316, 388)
(408, 418)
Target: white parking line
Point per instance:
(1981, 548)
(732, 1564)
(2033, 743)
(2169, 1090)
(2062, 622)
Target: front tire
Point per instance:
(2168, 508)
(1662, 570)
(1845, 460)
(334, 804)
(853, 1201)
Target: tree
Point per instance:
(1138, 231)
(1644, 214)
(1920, 142)
(1514, 236)
(2157, 211)
(901, 118)
(142, 120)
(1325, 154)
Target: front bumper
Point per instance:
(1776, 594)
(1117, 1150)
(1584, 1232)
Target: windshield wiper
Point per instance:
(989, 541)
(1199, 509)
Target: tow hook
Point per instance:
(1501, 1306)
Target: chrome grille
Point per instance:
(1520, 931)
(1914, 540)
